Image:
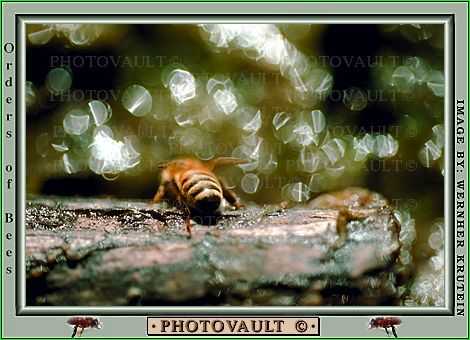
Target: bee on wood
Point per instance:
(385, 323)
(192, 185)
(80, 323)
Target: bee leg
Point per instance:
(285, 205)
(80, 331)
(394, 332)
(159, 194)
(74, 331)
(344, 217)
(187, 222)
(386, 331)
(231, 197)
(187, 217)
(186, 212)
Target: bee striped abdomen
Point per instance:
(202, 190)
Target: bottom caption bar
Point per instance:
(291, 325)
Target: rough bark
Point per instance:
(107, 252)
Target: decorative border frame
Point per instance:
(17, 14)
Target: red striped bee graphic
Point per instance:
(191, 185)
(80, 323)
(385, 323)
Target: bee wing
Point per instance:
(73, 321)
(223, 161)
(165, 164)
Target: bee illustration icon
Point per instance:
(80, 323)
(385, 322)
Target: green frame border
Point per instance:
(240, 1)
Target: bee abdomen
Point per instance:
(191, 179)
(202, 190)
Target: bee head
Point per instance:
(373, 323)
(96, 324)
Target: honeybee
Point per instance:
(192, 185)
(79, 324)
(385, 323)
